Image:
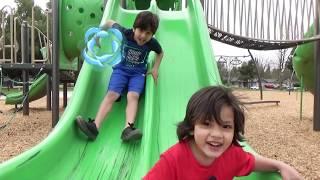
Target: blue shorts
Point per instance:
(122, 80)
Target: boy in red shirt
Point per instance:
(208, 145)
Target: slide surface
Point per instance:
(187, 66)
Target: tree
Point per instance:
(235, 72)
(24, 8)
(49, 4)
(227, 68)
(282, 61)
(289, 64)
(24, 11)
(267, 72)
(247, 71)
(223, 71)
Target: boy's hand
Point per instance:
(97, 41)
(154, 73)
(289, 173)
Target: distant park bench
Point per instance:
(261, 102)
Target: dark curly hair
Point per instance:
(146, 20)
(206, 104)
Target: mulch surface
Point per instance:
(278, 132)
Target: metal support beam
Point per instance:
(47, 68)
(316, 106)
(55, 62)
(49, 107)
(25, 73)
(65, 94)
(25, 77)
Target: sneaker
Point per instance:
(131, 133)
(88, 128)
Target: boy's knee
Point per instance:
(132, 96)
(112, 96)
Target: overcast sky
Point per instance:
(269, 57)
(41, 3)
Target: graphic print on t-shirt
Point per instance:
(134, 56)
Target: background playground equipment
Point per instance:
(65, 148)
(37, 90)
(14, 43)
(303, 62)
(14, 46)
(69, 65)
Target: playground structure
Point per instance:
(13, 45)
(21, 57)
(108, 157)
(269, 25)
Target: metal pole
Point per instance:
(55, 62)
(49, 60)
(25, 59)
(15, 40)
(25, 77)
(48, 39)
(3, 35)
(65, 94)
(301, 95)
(32, 36)
(316, 107)
(49, 107)
(11, 37)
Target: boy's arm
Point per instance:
(108, 24)
(265, 164)
(155, 68)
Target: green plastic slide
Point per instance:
(36, 91)
(186, 67)
(303, 62)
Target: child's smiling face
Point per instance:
(212, 139)
(142, 36)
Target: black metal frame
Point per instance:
(316, 106)
(55, 62)
(256, 44)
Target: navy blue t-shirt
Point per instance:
(135, 57)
